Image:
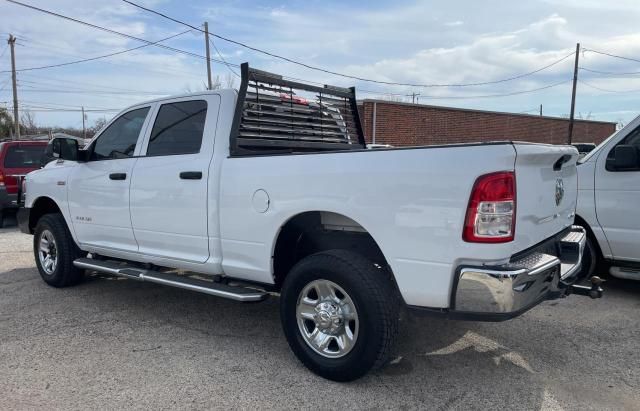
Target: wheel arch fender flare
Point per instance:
(354, 225)
(46, 205)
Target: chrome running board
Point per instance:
(173, 280)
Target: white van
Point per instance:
(609, 203)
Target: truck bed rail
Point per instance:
(274, 115)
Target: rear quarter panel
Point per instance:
(412, 202)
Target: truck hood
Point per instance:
(546, 190)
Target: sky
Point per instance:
(406, 41)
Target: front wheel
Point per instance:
(589, 260)
(55, 252)
(340, 314)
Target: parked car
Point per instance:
(266, 191)
(609, 203)
(584, 148)
(17, 158)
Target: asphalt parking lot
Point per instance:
(114, 343)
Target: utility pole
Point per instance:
(540, 110)
(573, 93)
(206, 42)
(413, 97)
(16, 118)
(84, 130)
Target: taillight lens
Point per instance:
(491, 214)
(1, 179)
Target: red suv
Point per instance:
(17, 158)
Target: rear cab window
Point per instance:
(23, 156)
(178, 128)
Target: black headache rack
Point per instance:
(274, 115)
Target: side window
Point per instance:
(178, 128)
(120, 138)
(632, 140)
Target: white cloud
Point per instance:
(439, 42)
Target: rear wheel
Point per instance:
(55, 252)
(339, 314)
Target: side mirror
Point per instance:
(624, 158)
(65, 149)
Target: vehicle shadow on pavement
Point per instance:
(179, 342)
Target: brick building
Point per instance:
(406, 124)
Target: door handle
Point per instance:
(191, 175)
(118, 176)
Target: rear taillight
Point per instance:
(492, 209)
(1, 179)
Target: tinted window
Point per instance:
(633, 139)
(178, 128)
(23, 156)
(120, 138)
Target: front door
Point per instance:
(618, 203)
(169, 187)
(98, 189)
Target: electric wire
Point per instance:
(289, 60)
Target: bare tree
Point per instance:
(28, 121)
(216, 84)
(97, 126)
(229, 80)
(389, 97)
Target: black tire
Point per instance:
(375, 298)
(65, 273)
(2, 219)
(590, 260)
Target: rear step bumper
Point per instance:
(173, 280)
(496, 293)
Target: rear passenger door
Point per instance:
(169, 182)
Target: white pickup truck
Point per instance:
(609, 204)
(271, 190)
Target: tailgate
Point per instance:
(547, 188)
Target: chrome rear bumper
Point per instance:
(497, 293)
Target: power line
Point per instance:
(612, 55)
(65, 82)
(99, 57)
(63, 105)
(611, 73)
(342, 74)
(222, 58)
(607, 90)
(97, 90)
(108, 30)
(514, 93)
(166, 71)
